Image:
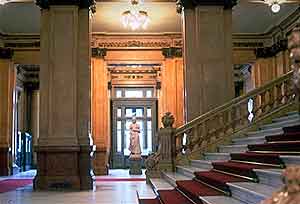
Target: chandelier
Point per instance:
(135, 18)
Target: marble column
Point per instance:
(7, 81)
(63, 150)
(207, 54)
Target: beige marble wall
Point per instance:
(208, 58)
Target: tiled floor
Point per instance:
(104, 193)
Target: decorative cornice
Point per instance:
(99, 52)
(45, 4)
(190, 4)
(271, 51)
(6, 53)
(149, 42)
(172, 52)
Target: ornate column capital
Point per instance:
(189, 4)
(171, 52)
(45, 4)
(99, 52)
(6, 53)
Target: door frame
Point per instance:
(119, 160)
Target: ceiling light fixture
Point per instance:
(2, 2)
(135, 18)
(275, 7)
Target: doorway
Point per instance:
(126, 103)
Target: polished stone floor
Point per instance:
(112, 192)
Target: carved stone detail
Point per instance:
(172, 52)
(99, 52)
(151, 42)
(168, 120)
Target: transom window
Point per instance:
(145, 92)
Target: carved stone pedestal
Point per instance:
(135, 166)
(63, 168)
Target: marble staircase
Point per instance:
(239, 173)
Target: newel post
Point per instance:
(167, 143)
(164, 158)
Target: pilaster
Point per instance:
(63, 150)
(7, 81)
(100, 114)
(208, 55)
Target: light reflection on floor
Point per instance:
(105, 193)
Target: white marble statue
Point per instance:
(134, 146)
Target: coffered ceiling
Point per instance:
(247, 17)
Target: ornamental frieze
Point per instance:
(139, 43)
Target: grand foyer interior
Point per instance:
(185, 63)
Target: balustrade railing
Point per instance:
(217, 125)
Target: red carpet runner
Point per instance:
(13, 184)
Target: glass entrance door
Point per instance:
(123, 111)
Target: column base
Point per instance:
(4, 161)
(63, 167)
(100, 162)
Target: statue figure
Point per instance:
(134, 146)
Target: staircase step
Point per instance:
(265, 132)
(296, 112)
(218, 180)
(271, 177)
(250, 193)
(260, 158)
(285, 147)
(286, 118)
(203, 164)
(250, 140)
(232, 148)
(194, 189)
(219, 200)
(217, 156)
(291, 129)
(239, 169)
(149, 201)
(188, 171)
(284, 137)
(160, 184)
(290, 160)
(173, 196)
(172, 177)
(284, 123)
